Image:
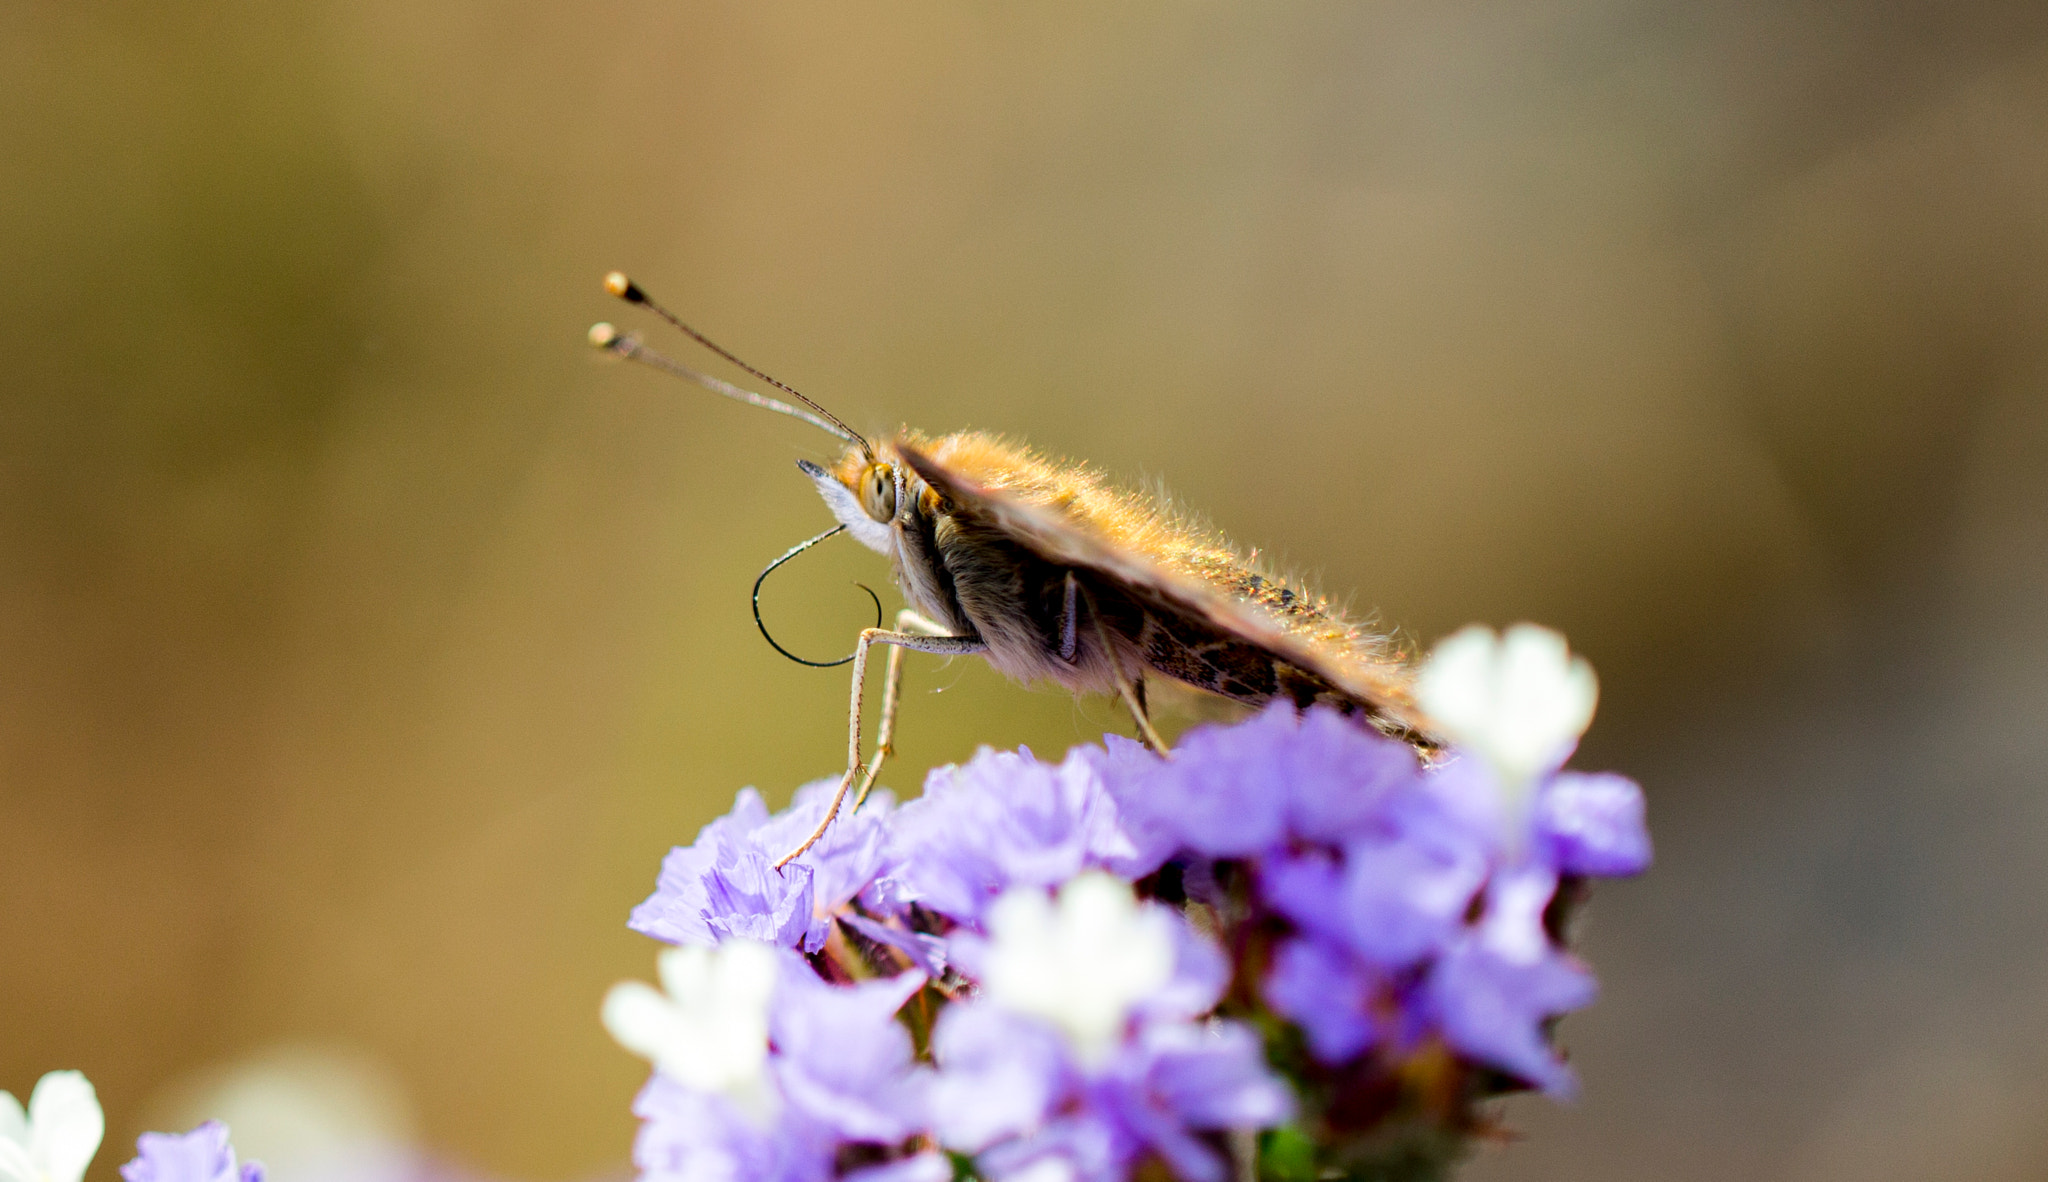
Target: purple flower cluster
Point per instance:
(840, 1072)
(726, 884)
(1029, 1104)
(1417, 897)
(1066, 970)
(202, 1155)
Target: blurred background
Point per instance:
(365, 639)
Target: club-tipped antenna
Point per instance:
(629, 346)
(604, 336)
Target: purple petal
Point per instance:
(927, 952)
(1122, 845)
(1222, 794)
(202, 1155)
(675, 911)
(1492, 993)
(746, 896)
(1593, 824)
(691, 1136)
(1338, 773)
(999, 1075)
(1084, 1147)
(1002, 819)
(1213, 1075)
(1328, 994)
(726, 885)
(843, 1058)
(1308, 888)
(851, 852)
(1404, 897)
(1180, 1077)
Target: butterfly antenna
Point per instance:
(628, 346)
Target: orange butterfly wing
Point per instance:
(1213, 622)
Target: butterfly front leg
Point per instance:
(892, 693)
(938, 645)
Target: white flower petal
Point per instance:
(65, 1125)
(15, 1165)
(1080, 964)
(744, 978)
(13, 1122)
(1547, 695)
(640, 1018)
(709, 1031)
(1519, 701)
(1454, 686)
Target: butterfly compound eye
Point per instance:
(878, 492)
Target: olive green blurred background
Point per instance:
(365, 640)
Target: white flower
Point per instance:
(1080, 963)
(1518, 701)
(710, 1030)
(55, 1139)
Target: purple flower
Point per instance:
(847, 858)
(841, 1056)
(1239, 791)
(1440, 877)
(202, 1155)
(1593, 824)
(1398, 887)
(1328, 993)
(1219, 795)
(1072, 1027)
(1492, 991)
(1011, 1092)
(763, 1070)
(1005, 819)
(692, 1136)
(726, 884)
(1086, 1048)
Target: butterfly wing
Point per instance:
(1208, 619)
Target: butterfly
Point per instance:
(1051, 573)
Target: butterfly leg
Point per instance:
(892, 692)
(1132, 690)
(1133, 693)
(945, 646)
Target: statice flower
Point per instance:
(1082, 963)
(1087, 1051)
(1005, 819)
(1240, 791)
(54, 1139)
(726, 886)
(1518, 701)
(762, 1069)
(1593, 825)
(1295, 942)
(707, 1027)
(1493, 987)
(56, 1136)
(202, 1155)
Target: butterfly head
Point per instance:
(868, 494)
